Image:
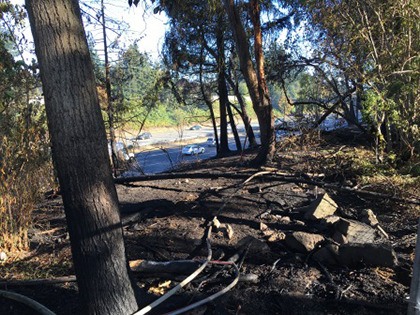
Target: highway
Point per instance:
(162, 152)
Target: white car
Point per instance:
(192, 149)
(122, 151)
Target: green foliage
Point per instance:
(375, 43)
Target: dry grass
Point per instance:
(24, 174)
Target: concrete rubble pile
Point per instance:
(332, 239)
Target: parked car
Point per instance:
(196, 127)
(144, 136)
(192, 149)
(211, 142)
(122, 151)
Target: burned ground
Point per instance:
(168, 219)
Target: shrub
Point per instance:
(25, 173)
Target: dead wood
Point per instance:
(176, 267)
(172, 267)
(271, 175)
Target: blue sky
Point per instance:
(143, 25)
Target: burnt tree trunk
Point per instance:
(254, 78)
(80, 154)
(223, 92)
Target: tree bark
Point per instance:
(254, 79)
(233, 126)
(243, 112)
(110, 107)
(80, 154)
(223, 92)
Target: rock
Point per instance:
(369, 217)
(339, 238)
(3, 256)
(229, 231)
(331, 219)
(303, 242)
(368, 254)
(285, 220)
(322, 207)
(216, 223)
(263, 226)
(298, 222)
(276, 236)
(356, 232)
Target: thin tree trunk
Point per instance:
(210, 106)
(233, 126)
(223, 92)
(243, 112)
(110, 109)
(80, 153)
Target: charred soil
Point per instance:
(168, 220)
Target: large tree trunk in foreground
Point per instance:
(81, 157)
(254, 78)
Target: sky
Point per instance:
(143, 25)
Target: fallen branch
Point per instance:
(273, 177)
(177, 267)
(171, 267)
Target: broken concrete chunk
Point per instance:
(339, 238)
(302, 241)
(331, 219)
(369, 217)
(368, 254)
(322, 207)
(356, 232)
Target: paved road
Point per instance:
(159, 160)
(161, 153)
(167, 155)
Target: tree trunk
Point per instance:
(110, 107)
(208, 101)
(243, 112)
(255, 80)
(234, 129)
(80, 153)
(223, 92)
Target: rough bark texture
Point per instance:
(81, 157)
(255, 80)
